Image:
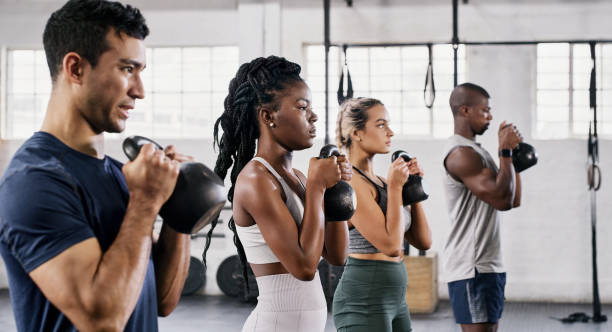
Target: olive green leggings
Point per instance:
(371, 296)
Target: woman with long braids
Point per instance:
(371, 295)
(278, 219)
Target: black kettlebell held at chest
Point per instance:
(412, 192)
(523, 157)
(198, 196)
(340, 200)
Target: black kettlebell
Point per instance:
(198, 196)
(340, 201)
(412, 192)
(523, 157)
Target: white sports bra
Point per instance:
(255, 247)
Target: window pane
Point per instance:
(396, 76)
(553, 65)
(553, 81)
(553, 50)
(28, 89)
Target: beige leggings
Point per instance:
(288, 304)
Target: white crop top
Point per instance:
(255, 247)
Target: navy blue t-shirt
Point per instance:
(51, 198)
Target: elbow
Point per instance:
(504, 207)
(391, 248)
(392, 252)
(165, 308)
(337, 261)
(337, 258)
(305, 274)
(102, 315)
(422, 244)
(505, 203)
(106, 324)
(99, 320)
(425, 245)
(167, 303)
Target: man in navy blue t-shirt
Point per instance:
(76, 225)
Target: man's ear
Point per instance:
(73, 67)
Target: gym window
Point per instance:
(396, 76)
(563, 77)
(184, 92)
(28, 86)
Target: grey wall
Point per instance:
(546, 242)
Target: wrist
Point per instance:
(395, 187)
(505, 153)
(314, 187)
(144, 204)
(505, 146)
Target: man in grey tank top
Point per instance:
(476, 190)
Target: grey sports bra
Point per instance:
(357, 243)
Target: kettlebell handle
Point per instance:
(400, 153)
(328, 151)
(133, 144)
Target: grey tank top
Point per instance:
(474, 239)
(357, 243)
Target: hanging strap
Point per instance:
(429, 91)
(593, 142)
(349, 92)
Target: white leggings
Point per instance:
(288, 304)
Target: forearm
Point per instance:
(505, 184)
(312, 229)
(119, 277)
(518, 191)
(394, 219)
(171, 259)
(419, 234)
(336, 242)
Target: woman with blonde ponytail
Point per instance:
(371, 295)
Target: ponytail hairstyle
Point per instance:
(256, 84)
(352, 116)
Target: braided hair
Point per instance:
(255, 85)
(353, 115)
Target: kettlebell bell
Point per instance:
(523, 157)
(412, 192)
(340, 200)
(198, 196)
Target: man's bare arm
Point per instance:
(171, 260)
(99, 291)
(498, 190)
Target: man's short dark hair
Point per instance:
(461, 96)
(81, 26)
(475, 88)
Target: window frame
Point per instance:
(5, 126)
(430, 135)
(571, 90)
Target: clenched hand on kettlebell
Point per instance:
(340, 200)
(198, 196)
(523, 155)
(412, 192)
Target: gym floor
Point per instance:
(220, 313)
